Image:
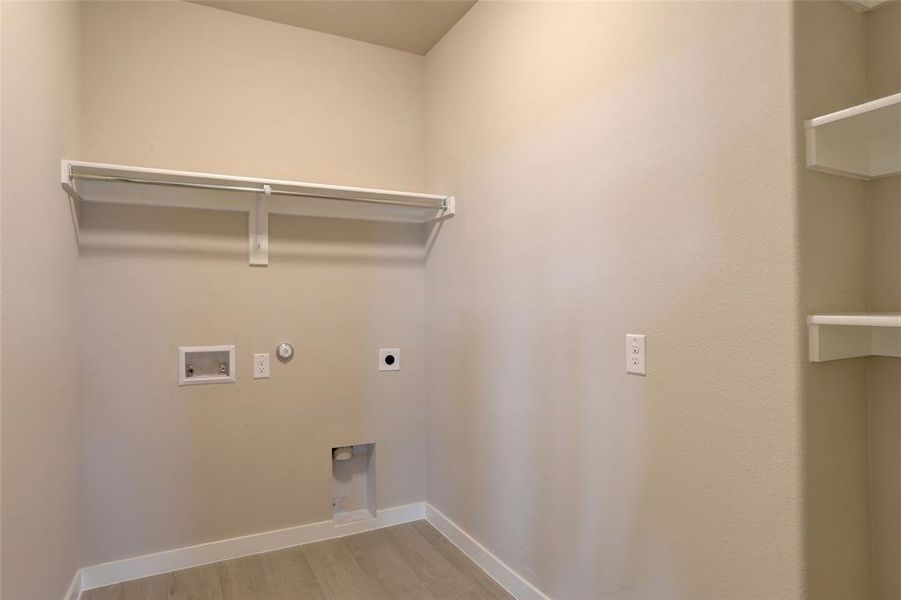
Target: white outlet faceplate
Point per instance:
(389, 359)
(636, 354)
(260, 366)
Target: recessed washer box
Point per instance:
(206, 364)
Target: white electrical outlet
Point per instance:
(636, 354)
(260, 366)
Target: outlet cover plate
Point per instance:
(261, 366)
(636, 354)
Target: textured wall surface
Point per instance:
(885, 476)
(183, 86)
(884, 78)
(621, 167)
(830, 71)
(39, 390)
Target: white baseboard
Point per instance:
(509, 579)
(202, 554)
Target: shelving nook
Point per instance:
(862, 142)
(98, 182)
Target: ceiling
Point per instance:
(408, 25)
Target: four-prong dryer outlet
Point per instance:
(389, 359)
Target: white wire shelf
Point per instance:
(863, 141)
(98, 182)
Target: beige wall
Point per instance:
(621, 167)
(883, 50)
(183, 86)
(884, 78)
(830, 72)
(39, 434)
(885, 479)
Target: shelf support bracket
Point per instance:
(259, 229)
(450, 207)
(75, 199)
(449, 210)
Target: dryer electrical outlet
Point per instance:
(389, 359)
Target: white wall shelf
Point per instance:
(863, 141)
(851, 335)
(97, 182)
(865, 5)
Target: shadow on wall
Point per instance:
(133, 230)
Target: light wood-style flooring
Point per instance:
(403, 562)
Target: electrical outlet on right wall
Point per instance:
(636, 354)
